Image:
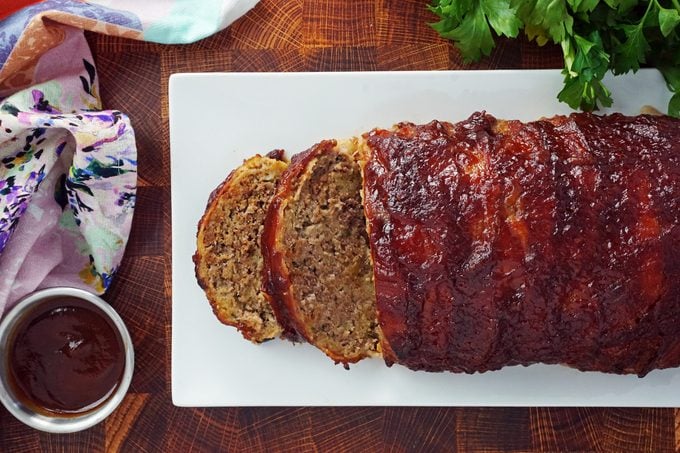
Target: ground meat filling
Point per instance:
(330, 269)
(232, 258)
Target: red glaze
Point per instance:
(500, 243)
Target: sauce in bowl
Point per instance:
(65, 357)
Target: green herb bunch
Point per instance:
(595, 36)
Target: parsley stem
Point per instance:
(649, 8)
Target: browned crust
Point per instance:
(276, 278)
(220, 191)
(507, 243)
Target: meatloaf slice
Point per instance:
(317, 258)
(228, 260)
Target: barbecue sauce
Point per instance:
(66, 357)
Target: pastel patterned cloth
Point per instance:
(68, 169)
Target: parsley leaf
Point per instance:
(674, 106)
(502, 17)
(583, 6)
(469, 24)
(452, 10)
(668, 19)
(586, 66)
(472, 35)
(552, 16)
(632, 52)
(622, 6)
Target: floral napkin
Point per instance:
(68, 170)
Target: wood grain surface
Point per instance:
(297, 35)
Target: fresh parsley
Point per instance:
(595, 36)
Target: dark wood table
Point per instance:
(297, 35)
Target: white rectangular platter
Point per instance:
(218, 120)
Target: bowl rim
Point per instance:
(68, 424)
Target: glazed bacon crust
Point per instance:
(501, 243)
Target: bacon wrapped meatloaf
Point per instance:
(466, 247)
(500, 243)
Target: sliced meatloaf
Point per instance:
(228, 260)
(317, 260)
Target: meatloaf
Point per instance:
(228, 258)
(501, 243)
(317, 265)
